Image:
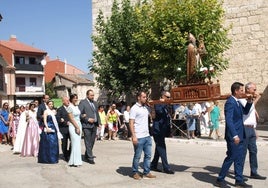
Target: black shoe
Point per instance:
(155, 169)
(242, 185)
(91, 162)
(221, 184)
(257, 176)
(168, 171)
(245, 179)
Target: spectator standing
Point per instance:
(161, 129)
(90, 120)
(15, 124)
(101, 129)
(4, 123)
(215, 119)
(126, 121)
(250, 123)
(138, 123)
(112, 120)
(75, 129)
(198, 110)
(204, 119)
(63, 121)
(234, 136)
(190, 120)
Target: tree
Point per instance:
(146, 43)
(163, 37)
(116, 60)
(50, 90)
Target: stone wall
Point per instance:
(247, 55)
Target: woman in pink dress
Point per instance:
(15, 123)
(31, 140)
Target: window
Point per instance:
(19, 60)
(32, 81)
(20, 84)
(32, 61)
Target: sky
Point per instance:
(62, 28)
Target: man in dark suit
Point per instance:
(234, 136)
(63, 121)
(161, 129)
(40, 112)
(90, 120)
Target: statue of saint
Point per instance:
(191, 57)
(194, 56)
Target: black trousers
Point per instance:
(197, 128)
(89, 139)
(64, 142)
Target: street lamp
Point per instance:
(43, 62)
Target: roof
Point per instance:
(15, 45)
(76, 78)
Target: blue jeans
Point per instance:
(250, 145)
(145, 145)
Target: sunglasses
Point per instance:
(167, 96)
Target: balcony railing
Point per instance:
(29, 89)
(29, 67)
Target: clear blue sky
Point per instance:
(62, 28)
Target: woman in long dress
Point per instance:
(30, 145)
(20, 133)
(15, 124)
(75, 129)
(49, 143)
(4, 123)
(190, 120)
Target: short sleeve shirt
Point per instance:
(140, 115)
(250, 118)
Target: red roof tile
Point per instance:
(18, 46)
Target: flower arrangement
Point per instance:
(207, 72)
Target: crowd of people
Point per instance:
(38, 130)
(201, 119)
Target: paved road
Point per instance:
(195, 162)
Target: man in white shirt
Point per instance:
(204, 119)
(250, 123)
(198, 109)
(138, 123)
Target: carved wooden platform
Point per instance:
(196, 92)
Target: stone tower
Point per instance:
(247, 55)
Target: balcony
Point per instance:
(29, 91)
(28, 67)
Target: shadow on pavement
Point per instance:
(125, 171)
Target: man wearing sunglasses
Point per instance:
(161, 129)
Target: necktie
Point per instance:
(94, 109)
(92, 105)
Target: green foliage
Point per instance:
(50, 90)
(116, 60)
(145, 43)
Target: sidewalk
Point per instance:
(196, 163)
